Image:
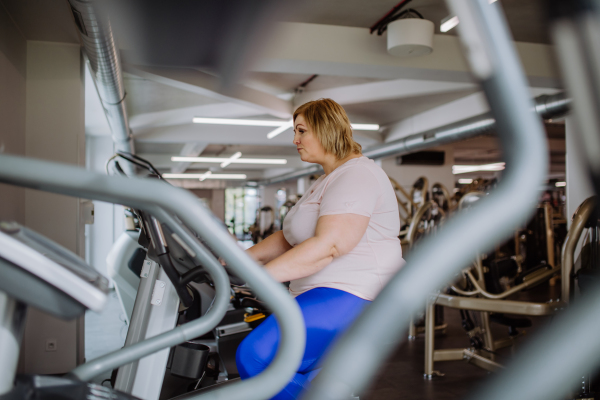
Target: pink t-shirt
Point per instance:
(358, 186)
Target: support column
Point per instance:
(579, 186)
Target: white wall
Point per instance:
(406, 175)
(13, 58)
(54, 130)
(108, 218)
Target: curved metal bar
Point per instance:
(433, 264)
(154, 196)
(582, 215)
(399, 188)
(512, 290)
(414, 222)
(465, 293)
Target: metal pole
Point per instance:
(429, 339)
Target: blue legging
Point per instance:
(327, 313)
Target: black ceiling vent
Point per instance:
(422, 158)
(79, 21)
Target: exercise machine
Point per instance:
(163, 204)
(39, 273)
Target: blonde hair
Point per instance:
(331, 125)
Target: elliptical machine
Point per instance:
(197, 363)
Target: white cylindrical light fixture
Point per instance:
(410, 37)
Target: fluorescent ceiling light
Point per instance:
(200, 176)
(282, 126)
(229, 121)
(465, 181)
(218, 160)
(365, 127)
(448, 23)
(463, 169)
(281, 129)
(231, 159)
(452, 20)
(205, 175)
(560, 184)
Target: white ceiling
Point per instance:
(372, 86)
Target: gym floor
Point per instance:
(402, 374)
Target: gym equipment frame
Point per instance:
(166, 203)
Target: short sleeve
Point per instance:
(354, 191)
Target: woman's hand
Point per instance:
(335, 236)
(270, 248)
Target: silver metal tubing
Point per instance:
(582, 215)
(162, 200)
(137, 327)
(12, 323)
(99, 44)
(547, 106)
(436, 261)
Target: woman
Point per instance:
(338, 247)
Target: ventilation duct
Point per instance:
(546, 106)
(98, 42)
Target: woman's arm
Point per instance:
(335, 236)
(270, 248)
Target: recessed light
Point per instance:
(463, 169)
(230, 121)
(205, 175)
(218, 160)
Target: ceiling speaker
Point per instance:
(410, 37)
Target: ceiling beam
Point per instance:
(385, 90)
(210, 86)
(461, 109)
(349, 51)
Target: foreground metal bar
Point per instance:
(436, 261)
(163, 201)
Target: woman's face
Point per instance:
(309, 147)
